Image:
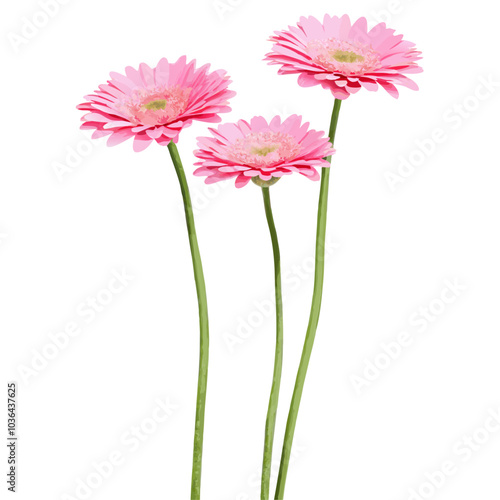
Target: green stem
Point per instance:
(278, 357)
(203, 314)
(319, 272)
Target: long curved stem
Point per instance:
(278, 357)
(319, 272)
(203, 314)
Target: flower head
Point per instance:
(156, 104)
(344, 57)
(262, 151)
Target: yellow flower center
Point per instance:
(156, 105)
(263, 150)
(346, 56)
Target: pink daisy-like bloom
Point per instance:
(344, 57)
(156, 104)
(262, 151)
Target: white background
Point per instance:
(394, 250)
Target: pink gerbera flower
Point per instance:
(344, 58)
(156, 104)
(262, 151)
